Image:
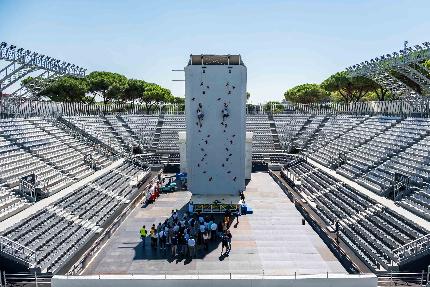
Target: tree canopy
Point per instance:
(110, 87)
(66, 89)
(135, 90)
(277, 107)
(306, 93)
(351, 89)
(107, 85)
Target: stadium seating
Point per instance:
(352, 139)
(373, 231)
(369, 150)
(288, 127)
(142, 126)
(262, 138)
(100, 128)
(168, 140)
(57, 232)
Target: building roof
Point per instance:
(215, 60)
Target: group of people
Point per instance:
(185, 235)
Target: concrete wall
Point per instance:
(182, 151)
(216, 148)
(334, 280)
(248, 155)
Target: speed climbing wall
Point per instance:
(215, 98)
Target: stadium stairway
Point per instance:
(276, 141)
(156, 139)
(73, 129)
(127, 128)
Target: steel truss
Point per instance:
(407, 62)
(23, 62)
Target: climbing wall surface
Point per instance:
(216, 126)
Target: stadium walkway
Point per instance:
(46, 201)
(271, 241)
(380, 199)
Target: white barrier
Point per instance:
(319, 280)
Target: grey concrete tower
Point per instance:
(215, 99)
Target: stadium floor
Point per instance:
(272, 240)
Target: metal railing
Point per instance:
(25, 279)
(18, 251)
(403, 279)
(411, 250)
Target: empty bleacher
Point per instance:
(60, 230)
(262, 138)
(142, 126)
(168, 140)
(100, 128)
(373, 231)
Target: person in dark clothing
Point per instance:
(224, 241)
(237, 213)
(174, 245)
(229, 237)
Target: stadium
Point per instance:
(100, 186)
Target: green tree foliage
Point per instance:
(107, 85)
(427, 64)
(135, 90)
(351, 89)
(277, 107)
(306, 93)
(35, 85)
(66, 89)
(154, 96)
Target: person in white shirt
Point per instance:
(214, 228)
(192, 247)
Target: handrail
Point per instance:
(18, 251)
(413, 248)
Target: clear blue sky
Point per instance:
(283, 43)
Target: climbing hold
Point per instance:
(234, 87)
(202, 149)
(193, 99)
(198, 165)
(206, 141)
(210, 178)
(222, 165)
(226, 148)
(234, 179)
(218, 99)
(205, 154)
(209, 136)
(234, 135)
(224, 130)
(204, 171)
(226, 159)
(229, 92)
(231, 142)
(201, 84)
(230, 154)
(229, 171)
(207, 87)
